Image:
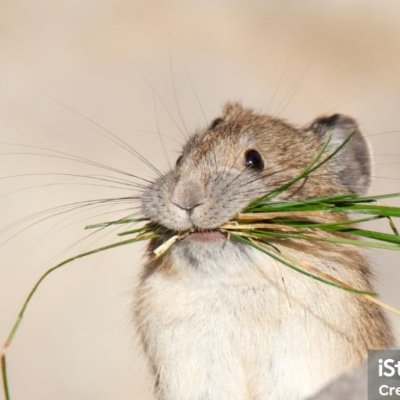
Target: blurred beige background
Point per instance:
(137, 67)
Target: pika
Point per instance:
(220, 320)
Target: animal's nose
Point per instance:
(188, 195)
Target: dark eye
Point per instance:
(254, 160)
(179, 160)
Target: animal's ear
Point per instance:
(233, 110)
(353, 162)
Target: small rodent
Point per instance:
(219, 320)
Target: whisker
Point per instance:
(110, 136)
(55, 211)
(386, 155)
(69, 157)
(278, 85)
(266, 176)
(166, 108)
(85, 238)
(206, 120)
(385, 177)
(292, 92)
(382, 133)
(103, 178)
(230, 170)
(387, 163)
(55, 184)
(175, 95)
(159, 132)
(62, 224)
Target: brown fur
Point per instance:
(216, 295)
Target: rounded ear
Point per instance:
(353, 162)
(233, 110)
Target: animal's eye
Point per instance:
(179, 160)
(216, 122)
(254, 160)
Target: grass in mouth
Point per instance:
(261, 222)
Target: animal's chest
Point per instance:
(250, 326)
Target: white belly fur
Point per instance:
(233, 324)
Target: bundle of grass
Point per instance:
(264, 223)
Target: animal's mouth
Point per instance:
(193, 236)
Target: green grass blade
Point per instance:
(346, 200)
(314, 165)
(355, 242)
(381, 236)
(366, 199)
(393, 226)
(6, 389)
(331, 226)
(299, 269)
(139, 231)
(21, 313)
(286, 186)
(287, 204)
(384, 211)
(116, 222)
(373, 209)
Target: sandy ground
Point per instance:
(136, 68)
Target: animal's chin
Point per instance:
(206, 237)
